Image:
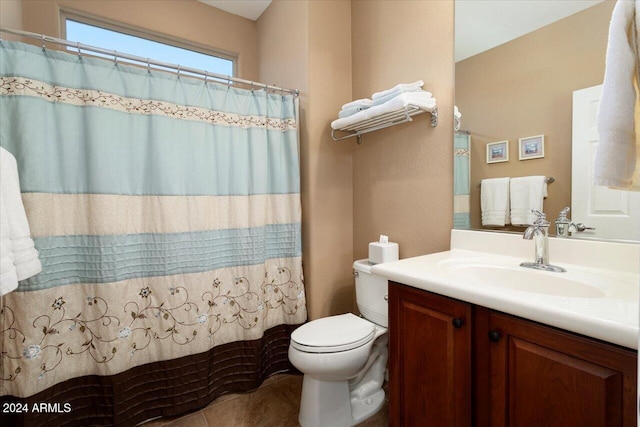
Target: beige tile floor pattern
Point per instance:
(274, 404)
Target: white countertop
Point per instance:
(611, 316)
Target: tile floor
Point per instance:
(274, 404)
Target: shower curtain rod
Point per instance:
(80, 47)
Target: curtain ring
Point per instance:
(251, 87)
(178, 70)
(43, 46)
(228, 82)
(206, 76)
(115, 58)
(79, 51)
(148, 66)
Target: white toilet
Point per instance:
(343, 358)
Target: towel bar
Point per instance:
(549, 180)
(382, 121)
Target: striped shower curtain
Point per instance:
(166, 213)
(461, 181)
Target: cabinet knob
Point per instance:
(457, 322)
(494, 336)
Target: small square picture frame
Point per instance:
(531, 147)
(498, 152)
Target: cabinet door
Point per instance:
(430, 359)
(541, 376)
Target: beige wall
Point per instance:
(403, 176)
(399, 181)
(10, 15)
(307, 45)
(525, 88)
(187, 20)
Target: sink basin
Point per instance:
(519, 279)
(510, 276)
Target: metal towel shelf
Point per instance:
(382, 121)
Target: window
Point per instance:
(84, 31)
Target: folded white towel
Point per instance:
(494, 202)
(8, 276)
(422, 100)
(346, 112)
(397, 89)
(617, 162)
(25, 256)
(364, 102)
(527, 192)
(393, 94)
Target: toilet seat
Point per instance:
(333, 334)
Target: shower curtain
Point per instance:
(461, 181)
(166, 212)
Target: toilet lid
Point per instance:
(334, 333)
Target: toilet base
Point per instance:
(347, 402)
(365, 408)
(329, 403)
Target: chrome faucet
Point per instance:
(539, 232)
(566, 228)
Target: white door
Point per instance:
(614, 214)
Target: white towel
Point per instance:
(346, 112)
(398, 89)
(616, 162)
(364, 102)
(494, 202)
(25, 256)
(393, 94)
(8, 276)
(526, 193)
(419, 99)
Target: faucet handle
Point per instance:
(562, 216)
(542, 218)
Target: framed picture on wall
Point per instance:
(531, 147)
(498, 152)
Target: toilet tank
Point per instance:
(371, 294)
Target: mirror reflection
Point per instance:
(527, 87)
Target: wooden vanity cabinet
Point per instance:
(429, 359)
(499, 370)
(542, 376)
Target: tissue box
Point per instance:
(382, 252)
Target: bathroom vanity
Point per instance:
(458, 364)
(476, 341)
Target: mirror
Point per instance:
(518, 64)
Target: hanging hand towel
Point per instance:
(617, 162)
(8, 276)
(526, 193)
(494, 202)
(25, 256)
